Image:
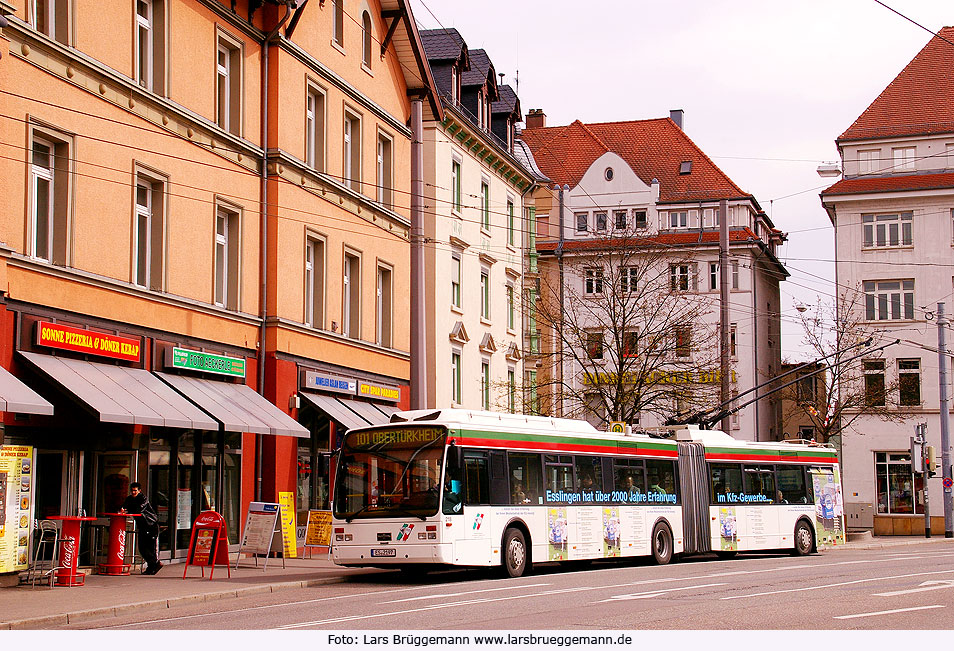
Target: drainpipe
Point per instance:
(418, 304)
(263, 271)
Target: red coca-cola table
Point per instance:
(116, 564)
(69, 550)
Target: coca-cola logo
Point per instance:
(68, 546)
(121, 548)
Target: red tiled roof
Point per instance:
(653, 148)
(918, 101)
(678, 238)
(866, 184)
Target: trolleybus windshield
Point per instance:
(390, 472)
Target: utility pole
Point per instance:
(919, 465)
(724, 307)
(942, 324)
(559, 257)
(419, 397)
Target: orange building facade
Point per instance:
(204, 245)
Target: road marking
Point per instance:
(887, 612)
(836, 585)
(444, 595)
(656, 593)
(927, 585)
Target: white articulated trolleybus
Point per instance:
(479, 489)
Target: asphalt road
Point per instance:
(907, 587)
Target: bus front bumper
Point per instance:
(399, 554)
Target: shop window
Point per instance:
(899, 489)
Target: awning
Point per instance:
(17, 397)
(367, 411)
(338, 410)
(122, 395)
(237, 406)
(387, 410)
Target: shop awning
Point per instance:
(337, 410)
(387, 410)
(122, 395)
(368, 412)
(17, 397)
(237, 406)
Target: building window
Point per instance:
(315, 129)
(869, 161)
(337, 22)
(619, 219)
(903, 158)
(805, 390)
(366, 39)
(909, 382)
(511, 311)
(713, 276)
(149, 233)
(228, 97)
(315, 283)
(455, 378)
(873, 370)
(593, 281)
(511, 225)
(455, 84)
(628, 277)
(735, 274)
(639, 219)
(384, 307)
(887, 230)
(679, 219)
(511, 391)
(351, 151)
(51, 17)
(485, 205)
(455, 186)
(44, 209)
(683, 341)
(889, 300)
(600, 222)
(594, 344)
(630, 343)
(351, 297)
(899, 489)
(533, 397)
(733, 341)
(384, 167)
(582, 220)
(485, 385)
(455, 279)
(485, 294)
(227, 271)
(679, 277)
(144, 43)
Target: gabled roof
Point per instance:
(918, 101)
(443, 44)
(867, 184)
(410, 51)
(481, 72)
(508, 103)
(654, 149)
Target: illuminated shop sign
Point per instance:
(193, 360)
(62, 337)
(328, 382)
(379, 391)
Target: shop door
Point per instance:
(52, 485)
(114, 472)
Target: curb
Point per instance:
(76, 617)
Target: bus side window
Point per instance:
(792, 485)
(476, 480)
(662, 480)
(726, 483)
(559, 473)
(526, 482)
(760, 480)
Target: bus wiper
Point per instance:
(353, 515)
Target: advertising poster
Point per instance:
(289, 542)
(829, 509)
(259, 527)
(728, 529)
(318, 533)
(632, 526)
(184, 508)
(611, 531)
(204, 545)
(558, 529)
(588, 533)
(16, 506)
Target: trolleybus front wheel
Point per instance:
(515, 553)
(804, 539)
(662, 544)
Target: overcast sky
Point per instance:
(766, 87)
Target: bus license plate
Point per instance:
(384, 551)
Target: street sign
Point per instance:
(948, 482)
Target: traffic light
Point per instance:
(931, 461)
(917, 455)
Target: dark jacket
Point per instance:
(140, 504)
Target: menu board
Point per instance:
(16, 506)
(289, 540)
(319, 529)
(259, 527)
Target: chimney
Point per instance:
(536, 119)
(676, 116)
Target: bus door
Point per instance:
(694, 485)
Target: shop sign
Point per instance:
(193, 360)
(328, 382)
(660, 377)
(289, 539)
(379, 391)
(16, 506)
(54, 335)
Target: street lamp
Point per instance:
(828, 170)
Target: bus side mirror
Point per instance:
(455, 457)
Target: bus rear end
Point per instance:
(389, 497)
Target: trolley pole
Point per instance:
(942, 324)
(921, 437)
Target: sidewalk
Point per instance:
(24, 607)
(103, 596)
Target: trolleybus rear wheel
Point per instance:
(662, 544)
(515, 553)
(804, 539)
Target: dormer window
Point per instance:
(685, 167)
(480, 108)
(455, 81)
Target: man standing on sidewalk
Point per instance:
(147, 527)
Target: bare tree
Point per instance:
(631, 334)
(852, 389)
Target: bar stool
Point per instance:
(47, 537)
